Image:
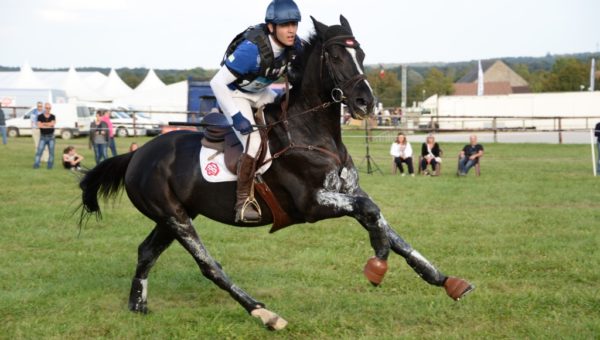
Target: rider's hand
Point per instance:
(241, 124)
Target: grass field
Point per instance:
(526, 233)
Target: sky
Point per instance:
(180, 34)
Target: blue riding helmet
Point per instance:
(282, 11)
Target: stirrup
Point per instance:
(250, 201)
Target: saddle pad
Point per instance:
(213, 167)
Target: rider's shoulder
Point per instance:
(246, 47)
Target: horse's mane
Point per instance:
(309, 45)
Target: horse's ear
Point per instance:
(319, 27)
(345, 23)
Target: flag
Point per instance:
(592, 75)
(480, 80)
(381, 71)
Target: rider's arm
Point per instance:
(219, 86)
(244, 60)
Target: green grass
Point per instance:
(526, 233)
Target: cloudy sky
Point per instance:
(181, 34)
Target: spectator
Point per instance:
(134, 146)
(469, 156)
(2, 125)
(99, 137)
(597, 134)
(397, 119)
(71, 159)
(45, 123)
(402, 153)
(431, 155)
(111, 132)
(35, 130)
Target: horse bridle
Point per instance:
(340, 86)
(337, 96)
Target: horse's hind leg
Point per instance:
(148, 252)
(455, 287)
(185, 233)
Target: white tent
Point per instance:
(27, 79)
(167, 99)
(93, 80)
(76, 88)
(151, 82)
(114, 87)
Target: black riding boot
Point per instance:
(246, 207)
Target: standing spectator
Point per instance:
(71, 159)
(2, 125)
(45, 123)
(99, 137)
(35, 130)
(597, 134)
(402, 153)
(431, 154)
(469, 156)
(111, 132)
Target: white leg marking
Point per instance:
(269, 319)
(144, 283)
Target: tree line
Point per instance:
(551, 73)
(544, 74)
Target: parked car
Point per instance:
(123, 125)
(71, 120)
(153, 126)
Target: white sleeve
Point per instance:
(408, 151)
(219, 84)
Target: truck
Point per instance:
(71, 120)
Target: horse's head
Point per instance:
(341, 69)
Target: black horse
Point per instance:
(312, 177)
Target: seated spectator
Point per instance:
(431, 154)
(71, 159)
(469, 156)
(402, 153)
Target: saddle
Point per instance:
(219, 136)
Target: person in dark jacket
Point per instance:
(431, 154)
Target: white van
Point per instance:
(71, 120)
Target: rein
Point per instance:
(337, 96)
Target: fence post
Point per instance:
(495, 130)
(560, 136)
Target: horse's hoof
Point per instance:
(271, 320)
(375, 270)
(457, 288)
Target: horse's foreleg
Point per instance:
(455, 287)
(186, 235)
(366, 212)
(148, 252)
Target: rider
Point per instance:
(262, 57)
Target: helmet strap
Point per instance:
(273, 33)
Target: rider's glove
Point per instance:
(241, 124)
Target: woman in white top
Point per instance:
(402, 153)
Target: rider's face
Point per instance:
(285, 33)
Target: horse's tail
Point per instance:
(106, 180)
